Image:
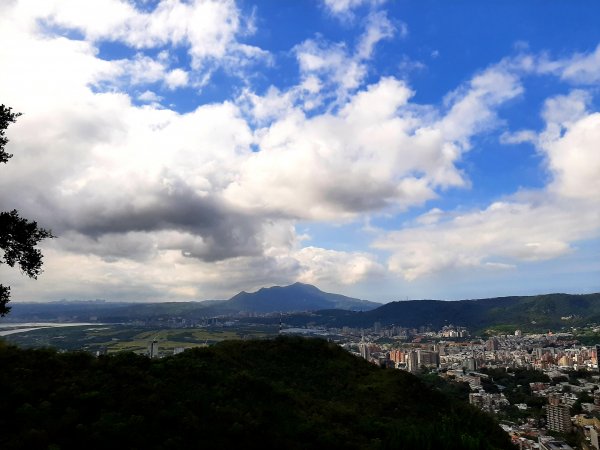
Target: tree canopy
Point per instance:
(18, 236)
(290, 393)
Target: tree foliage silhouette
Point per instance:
(18, 236)
(287, 393)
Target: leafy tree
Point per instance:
(18, 236)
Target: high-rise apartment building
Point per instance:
(492, 344)
(558, 418)
(428, 358)
(364, 350)
(153, 349)
(412, 361)
(397, 356)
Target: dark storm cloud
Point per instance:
(224, 231)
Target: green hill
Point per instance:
(531, 313)
(288, 393)
(538, 312)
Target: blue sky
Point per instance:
(185, 150)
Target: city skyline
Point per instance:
(378, 149)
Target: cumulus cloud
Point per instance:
(328, 64)
(528, 226)
(342, 8)
(321, 266)
(135, 192)
(142, 267)
(581, 68)
(473, 106)
(176, 78)
(503, 233)
(144, 70)
(149, 96)
(156, 203)
(209, 30)
(377, 151)
(207, 27)
(574, 160)
(378, 27)
(135, 185)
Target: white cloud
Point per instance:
(141, 70)
(163, 273)
(431, 217)
(176, 78)
(136, 192)
(473, 106)
(208, 29)
(563, 110)
(320, 266)
(582, 68)
(378, 27)
(574, 160)
(344, 7)
(336, 66)
(271, 105)
(508, 231)
(577, 69)
(149, 96)
(376, 153)
(129, 187)
(519, 137)
(331, 63)
(151, 202)
(528, 226)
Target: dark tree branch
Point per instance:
(6, 118)
(18, 236)
(4, 298)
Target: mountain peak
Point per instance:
(294, 297)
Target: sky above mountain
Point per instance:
(379, 149)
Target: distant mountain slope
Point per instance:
(529, 312)
(82, 311)
(295, 297)
(286, 393)
(538, 312)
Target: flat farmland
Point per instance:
(122, 337)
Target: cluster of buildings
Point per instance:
(558, 412)
(544, 352)
(556, 355)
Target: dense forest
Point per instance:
(291, 393)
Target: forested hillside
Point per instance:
(530, 313)
(290, 393)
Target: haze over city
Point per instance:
(379, 149)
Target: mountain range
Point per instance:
(532, 313)
(296, 297)
(305, 304)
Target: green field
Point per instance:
(117, 338)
